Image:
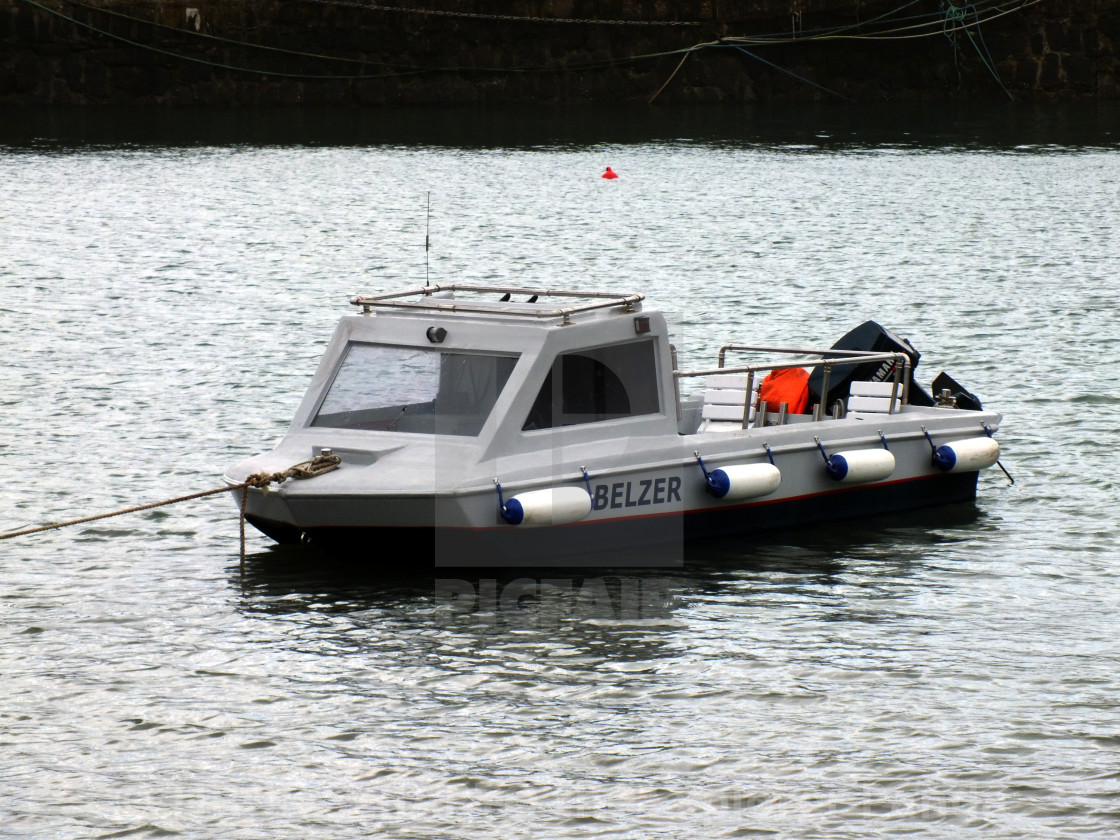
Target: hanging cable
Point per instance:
(791, 73)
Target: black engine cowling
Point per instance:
(868, 336)
(961, 397)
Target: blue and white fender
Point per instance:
(969, 455)
(741, 481)
(551, 506)
(858, 466)
(744, 481)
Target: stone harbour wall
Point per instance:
(365, 53)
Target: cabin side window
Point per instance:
(603, 383)
(413, 389)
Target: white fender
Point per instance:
(744, 481)
(861, 465)
(966, 455)
(551, 506)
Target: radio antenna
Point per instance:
(427, 237)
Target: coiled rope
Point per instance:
(317, 466)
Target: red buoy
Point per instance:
(610, 173)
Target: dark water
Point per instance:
(167, 283)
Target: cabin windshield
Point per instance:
(414, 389)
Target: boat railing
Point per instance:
(826, 360)
(444, 298)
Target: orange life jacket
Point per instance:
(788, 385)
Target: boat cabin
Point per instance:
(499, 364)
(496, 364)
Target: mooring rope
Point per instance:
(956, 19)
(318, 465)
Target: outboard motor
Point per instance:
(957, 393)
(868, 336)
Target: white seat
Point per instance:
(725, 398)
(873, 398)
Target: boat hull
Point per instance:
(652, 540)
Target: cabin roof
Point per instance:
(501, 302)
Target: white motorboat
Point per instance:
(490, 426)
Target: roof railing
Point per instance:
(442, 298)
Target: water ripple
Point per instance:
(939, 674)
